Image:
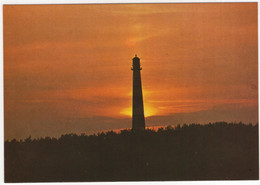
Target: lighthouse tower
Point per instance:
(138, 122)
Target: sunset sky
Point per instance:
(67, 68)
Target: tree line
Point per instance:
(214, 151)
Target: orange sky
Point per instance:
(67, 67)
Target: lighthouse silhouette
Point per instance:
(138, 122)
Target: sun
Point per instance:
(148, 111)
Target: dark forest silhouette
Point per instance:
(218, 151)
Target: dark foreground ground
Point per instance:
(217, 151)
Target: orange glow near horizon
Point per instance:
(67, 68)
(148, 111)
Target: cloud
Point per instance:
(91, 125)
(229, 113)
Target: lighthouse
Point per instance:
(138, 122)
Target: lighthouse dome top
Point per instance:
(136, 58)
